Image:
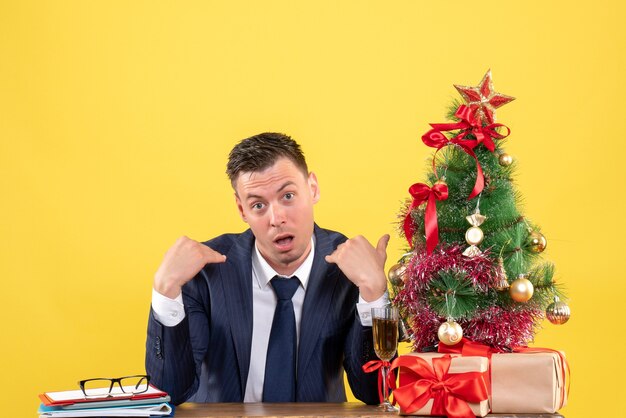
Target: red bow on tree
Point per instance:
(450, 392)
(469, 125)
(422, 193)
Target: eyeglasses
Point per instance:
(105, 387)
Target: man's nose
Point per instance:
(277, 215)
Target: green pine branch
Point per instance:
(453, 295)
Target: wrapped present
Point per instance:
(441, 384)
(531, 381)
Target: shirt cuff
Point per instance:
(365, 308)
(169, 312)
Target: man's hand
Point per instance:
(363, 265)
(181, 263)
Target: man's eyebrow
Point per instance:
(253, 196)
(285, 185)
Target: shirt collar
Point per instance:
(264, 273)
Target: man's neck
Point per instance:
(305, 262)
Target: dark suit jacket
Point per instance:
(206, 357)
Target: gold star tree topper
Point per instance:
(483, 99)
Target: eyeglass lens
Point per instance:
(112, 387)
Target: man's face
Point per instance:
(277, 204)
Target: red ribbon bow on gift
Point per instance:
(450, 392)
(422, 193)
(467, 347)
(372, 366)
(469, 125)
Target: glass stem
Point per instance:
(385, 391)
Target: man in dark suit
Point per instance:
(220, 328)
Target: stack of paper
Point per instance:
(73, 403)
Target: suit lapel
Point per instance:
(318, 297)
(237, 284)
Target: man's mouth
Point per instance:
(284, 240)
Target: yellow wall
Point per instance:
(116, 118)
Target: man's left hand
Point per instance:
(363, 265)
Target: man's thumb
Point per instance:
(381, 247)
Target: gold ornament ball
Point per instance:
(396, 274)
(537, 242)
(521, 290)
(558, 312)
(442, 182)
(450, 332)
(474, 235)
(505, 159)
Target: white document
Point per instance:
(162, 409)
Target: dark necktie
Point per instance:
(280, 365)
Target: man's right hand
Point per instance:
(181, 263)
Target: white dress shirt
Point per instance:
(170, 312)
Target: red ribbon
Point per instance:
(468, 347)
(436, 139)
(469, 125)
(422, 193)
(450, 392)
(372, 366)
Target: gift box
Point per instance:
(528, 382)
(441, 384)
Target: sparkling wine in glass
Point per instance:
(385, 329)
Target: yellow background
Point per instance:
(116, 118)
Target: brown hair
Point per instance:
(260, 152)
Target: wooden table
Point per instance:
(293, 410)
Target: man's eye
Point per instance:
(257, 206)
(289, 196)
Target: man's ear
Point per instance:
(240, 208)
(314, 187)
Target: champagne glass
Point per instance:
(385, 329)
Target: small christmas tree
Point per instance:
(474, 265)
